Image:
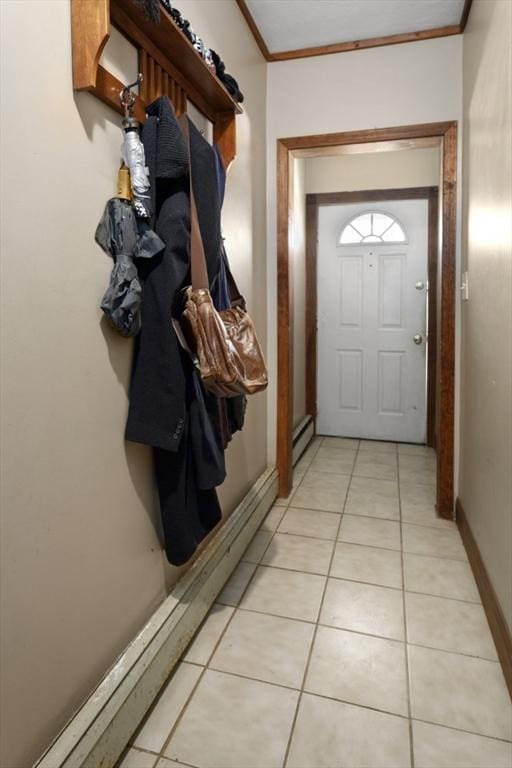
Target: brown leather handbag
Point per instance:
(224, 343)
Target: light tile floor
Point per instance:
(351, 635)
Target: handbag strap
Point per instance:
(198, 269)
(234, 294)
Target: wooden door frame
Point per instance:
(313, 202)
(324, 144)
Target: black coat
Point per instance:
(167, 409)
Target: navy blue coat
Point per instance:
(168, 409)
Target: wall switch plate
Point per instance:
(464, 287)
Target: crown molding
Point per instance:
(352, 45)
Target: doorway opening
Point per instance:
(379, 271)
(441, 280)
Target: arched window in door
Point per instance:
(372, 227)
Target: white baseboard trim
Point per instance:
(101, 729)
(302, 436)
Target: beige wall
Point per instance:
(486, 422)
(377, 170)
(82, 563)
(299, 290)
(395, 85)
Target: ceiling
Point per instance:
(282, 27)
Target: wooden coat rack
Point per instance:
(168, 62)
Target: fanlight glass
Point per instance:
(372, 227)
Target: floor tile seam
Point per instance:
(293, 570)
(236, 607)
(461, 730)
(358, 704)
(373, 517)
(308, 509)
(155, 702)
(145, 750)
(213, 651)
(399, 641)
(283, 513)
(337, 472)
(438, 557)
(174, 762)
(443, 597)
(308, 536)
(418, 482)
(289, 570)
(355, 543)
(455, 653)
(408, 682)
(242, 676)
(370, 546)
(155, 755)
(309, 622)
(182, 711)
(441, 528)
(372, 477)
(435, 526)
(373, 546)
(306, 449)
(315, 631)
(366, 583)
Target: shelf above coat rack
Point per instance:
(168, 61)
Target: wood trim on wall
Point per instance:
(313, 201)
(284, 451)
(497, 622)
(254, 29)
(352, 45)
(447, 133)
(465, 15)
(446, 332)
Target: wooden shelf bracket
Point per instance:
(168, 61)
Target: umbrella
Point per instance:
(125, 237)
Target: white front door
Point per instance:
(372, 297)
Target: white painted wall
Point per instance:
(373, 170)
(486, 444)
(395, 85)
(82, 561)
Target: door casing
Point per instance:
(313, 201)
(435, 134)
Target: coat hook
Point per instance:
(127, 98)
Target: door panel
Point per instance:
(371, 374)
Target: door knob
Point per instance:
(417, 338)
(419, 285)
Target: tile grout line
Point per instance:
(407, 670)
(317, 623)
(358, 631)
(154, 755)
(294, 490)
(206, 666)
(355, 543)
(240, 676)
(359, 581)
(315, 631)
(221, 636)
